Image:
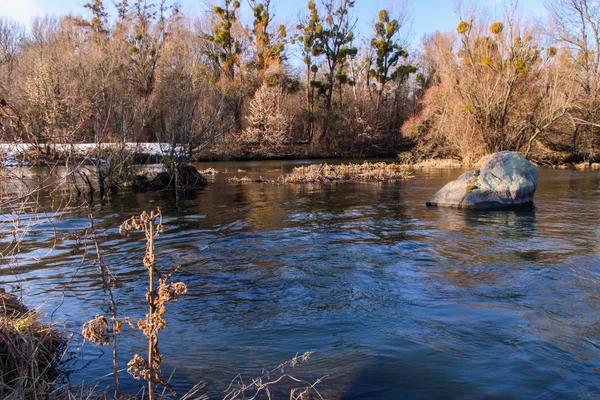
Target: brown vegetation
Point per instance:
(30, 352)
(331, 173)
(235, 179)
(216, 85)
(366, 172)
(103, 331)
(512, 85)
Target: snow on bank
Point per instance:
(10, 151)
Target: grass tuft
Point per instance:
(30, 351)
(365, 172)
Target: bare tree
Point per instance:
(576, 26)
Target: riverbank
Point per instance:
(31, 352)
(27, 154)
(14, 155)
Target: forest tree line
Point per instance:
(223, 87)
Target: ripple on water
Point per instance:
(398, 300)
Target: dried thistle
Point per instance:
(159, 292)
(138, 368)
(170, 291)
(149, 369)
(96, 330)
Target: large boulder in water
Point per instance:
(504, 180)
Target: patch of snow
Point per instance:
(10, 150)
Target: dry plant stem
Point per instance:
(107, 283)
(151, 303)
(263, 383)
(156, 296)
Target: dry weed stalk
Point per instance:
(262, 385)
(116, 326)
(149, 369)
(98, 329)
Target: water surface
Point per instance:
(398, 300)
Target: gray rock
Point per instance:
(504, 180)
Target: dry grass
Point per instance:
(236, 180)
(438, 163)
(209, 171)
(95, 393)
(30, 352)
(365, 172)
(263, 386)
(587, 165)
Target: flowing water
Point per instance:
(398, 300)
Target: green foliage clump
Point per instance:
(309, 32)
(335, 41)
(496, 28)
(99, 15)
(388, 51)
(227, 49)
(270, 46)
(473, 184)
(463, 27)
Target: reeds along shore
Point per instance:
(30, 352)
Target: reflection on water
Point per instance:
(398, 300)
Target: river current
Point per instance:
(398, 301)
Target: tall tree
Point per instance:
(12, 35)
(388, 53)
(269, 46)
(335, 42)
(227, 49)
(309, 32)
(99, 15)
(226, 54)
(577, 29)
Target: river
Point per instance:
(396, 299)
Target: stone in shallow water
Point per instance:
(504, 180)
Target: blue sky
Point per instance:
(426, 15)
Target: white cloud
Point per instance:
(20, 10)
